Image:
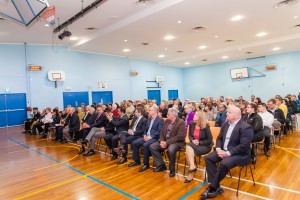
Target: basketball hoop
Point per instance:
(48, 15)
(238, 78)
(56, 80)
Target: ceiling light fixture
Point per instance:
(216, 36)
(187, 63)
(73, 38)
(161, 56)
(295, 17)
(202, 47)
(276, 48)
(225, 57)
(125, 40)
(169, 37)
(179, 21)
(126, 50)
(46, 25)
(237, 18)
(261, 34)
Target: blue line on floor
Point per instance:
(193, 190)
(76, 170)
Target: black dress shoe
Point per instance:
(114, 157)
(215, 193)
(144, 168)
(90, 153)
(204, 195)
(84, 142)
(123, 160)
(134, 164)
(82, 150)
(160, 168)
(172, 173)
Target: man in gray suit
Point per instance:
(232, 149)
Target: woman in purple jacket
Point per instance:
(188, 109)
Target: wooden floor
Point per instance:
(35, 168)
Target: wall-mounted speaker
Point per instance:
(270, 67)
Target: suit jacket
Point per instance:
(90, 118)
(220, 119)
(177, 134)
(74, 123)
(100, 122)
(205, 135)
(239, 142)
(156, 127)
(121, 123)
(164, 113)
(279, 115)
(86, 117)
(140, 127)
(109, 128)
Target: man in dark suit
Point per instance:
(151, 135)
(172, 138)
(89, 118)
(73, 125)
(221, 115)
(121, 123)
(232, 149)
(97, 133)
(29, 122)
(277, 112)
(98, 121)
(135, 131)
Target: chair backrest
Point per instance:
(211, 123)
(215, 132)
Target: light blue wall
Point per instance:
(214, 80)
(83, 71)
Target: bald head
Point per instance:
(233, 113)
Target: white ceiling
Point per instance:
(119, 20)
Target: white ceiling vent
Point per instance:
(286, 3)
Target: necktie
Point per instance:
(151, 123)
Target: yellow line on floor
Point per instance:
(297, 155)
(62, 183)
(55, 164)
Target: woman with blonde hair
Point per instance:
(201, 142)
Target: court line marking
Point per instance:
(61, 183)
(258, 183)
(76, 170)
(240, 191)
(26, 143)
(192, 191)
(288, 151)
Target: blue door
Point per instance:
(3, 111)
(104, 97)
(154, 94)
(12, 109)
(75, 98)
(172, 94)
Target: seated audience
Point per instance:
(232, 149)
(72, 127)
(254, 120)
(201, 142)
(47, 118)
(151, 135)
(172, 138)
(29, 122)
(135, 131)
(189, 114)
(121, 123)
(221, 115)
(208, 112)
(268, 120)
(97, 132)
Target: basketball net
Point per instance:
(48, 15)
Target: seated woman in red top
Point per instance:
(201, 142)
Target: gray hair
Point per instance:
(173, 111)
(155, 108)
(189, 106)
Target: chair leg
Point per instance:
(238, 187)
(252, 175)
(178, 158)
(184, 167)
